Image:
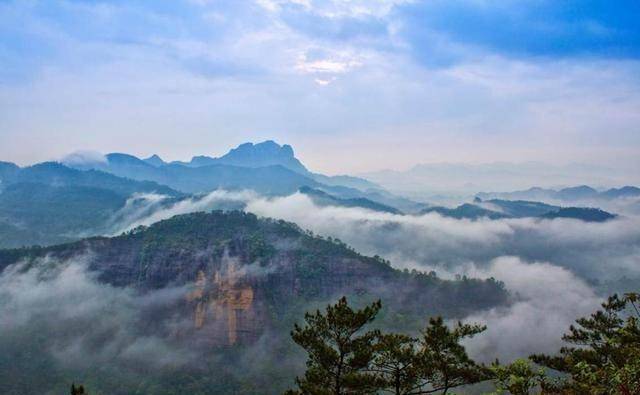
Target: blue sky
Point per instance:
(352, 85)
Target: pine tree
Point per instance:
(79, 390)
(443, 361)
(340, 352)
(518, 378)
(605, 358)
(396, 363)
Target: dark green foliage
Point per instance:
(56, 174)
(469, 211)
(173, 251)
(605, 356)
(79, 390)
(44, 214)
(50, 203)
(302, 272)
(343, 359)
(584, 214)
(396, 364)
(498, 209)
(340, 352)
(444, 363)
(518, 378)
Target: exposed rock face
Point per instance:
(243, 275)
(224, 301)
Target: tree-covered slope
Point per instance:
(499, 209)
(57, 174)
(50, 203)
(44, 214)
(289, 263)
(208, 297)
(322, 198)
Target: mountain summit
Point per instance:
(155, 160)
(267, 153)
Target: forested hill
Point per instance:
(278, 261)
(50, 203)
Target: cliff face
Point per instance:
(243, 276)
(223, 303)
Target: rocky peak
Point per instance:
(155, 160)
(267, 153)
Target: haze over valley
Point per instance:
(319, 197)
(140, 244)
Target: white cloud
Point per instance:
(338, 8)
(78, 158)
(547, 299)
(146, 209)
(247, 76)
(604, 251)
(337, 65)
(545, 264)
(325, 81)
(87, 323)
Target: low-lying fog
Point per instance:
(556, 270)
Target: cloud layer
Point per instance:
(401, 82)
(549, 266)
(87, 323)
(547, 299)
(602, 251)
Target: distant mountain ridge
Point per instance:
(322, 198)
(464, 179)
(500, 209)
(293, 262)
(51, 203)
(88, 195)
(265, 154)
(577, 193)
(272, 179)
(56, 174)
(267, 168)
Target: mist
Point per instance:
(90, 322)
(603, 251)
(555, 269)
(546, 300)
(437, 180)
(61, 325)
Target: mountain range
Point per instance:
(222, 288)
(50, 203)
(272, 161)
(571, 194)
(499, 209)
(53, 202)
(214, 292)
(426, 181)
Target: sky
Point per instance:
(353, 86)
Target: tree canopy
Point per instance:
(602, 356)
